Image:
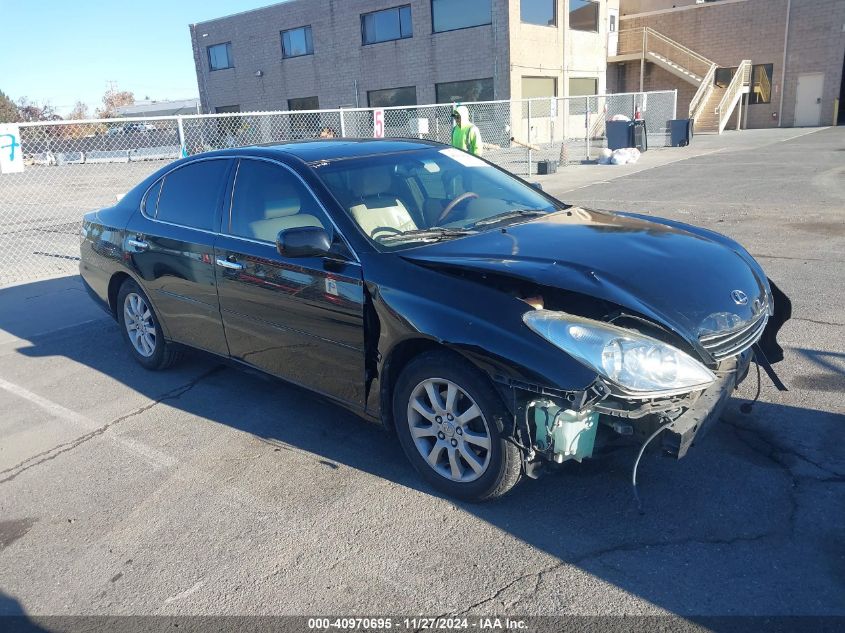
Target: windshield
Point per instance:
(405, 198)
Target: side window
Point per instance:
(190, 194)
(151, 199)
(268, 199)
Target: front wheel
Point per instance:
(450, 422)
(141, 329)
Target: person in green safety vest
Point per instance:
(465, 135)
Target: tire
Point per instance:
(446, 440)
(151, 351)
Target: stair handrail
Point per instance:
(741, 79)
(628, 44)
(705, 89)
(650, 32)
(637, 40)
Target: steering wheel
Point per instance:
(449, 207)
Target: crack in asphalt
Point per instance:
(818, 322)
(54, 452)
(599, 553)
(772, 452)
(776, 450)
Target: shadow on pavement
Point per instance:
(724, 531)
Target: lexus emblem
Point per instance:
(739, 297)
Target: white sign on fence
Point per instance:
(11, 157)
(419, 125)
(378, 123)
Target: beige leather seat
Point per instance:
(282, 210)
(376, 210)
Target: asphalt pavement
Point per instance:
(210, 490)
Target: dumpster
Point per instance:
(680, 132)
(639, 138)
(618, 134)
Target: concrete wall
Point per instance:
(816, 44)
(339, 57)
(506, 50)
(643, 6)
(585, 53)
(730, 31)
(535, 51)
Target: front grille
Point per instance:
(727, 344)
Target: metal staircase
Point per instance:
(711, 106)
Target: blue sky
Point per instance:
(66, 51)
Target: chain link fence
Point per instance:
(73, 167)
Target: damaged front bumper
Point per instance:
(574, 426)
(695, 421)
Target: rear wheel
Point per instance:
(141, 329)
(450, 422)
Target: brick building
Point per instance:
(796, 50)
(309, 54)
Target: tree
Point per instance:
(33, 111)
(80, 111)
(112, 100)
(79, 130)
(8, 110)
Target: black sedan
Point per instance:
(495, 329)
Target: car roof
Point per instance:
(314, 150)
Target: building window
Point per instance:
(220, 56)
(470, 90)
(304, 103)
(584, 15)
(535, 87)
(392, 97)
(544, 88)
(540, 12)
(723, 76)
(583, 86)
(450, 15)
(387, 25)
(761, 83)
(297, 42)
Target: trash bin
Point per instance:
(639, 138)
(618, 134)
(680, 132)
(545, 167)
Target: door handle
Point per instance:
(138, 245)
(225, 263)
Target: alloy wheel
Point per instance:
(140, 325)
(449, 430)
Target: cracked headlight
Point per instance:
(637, 365)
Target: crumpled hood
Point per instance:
(678, 275)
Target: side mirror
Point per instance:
(303, 241)
(536, 185)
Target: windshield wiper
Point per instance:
(433, 234)
(509, 215)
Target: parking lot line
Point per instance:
(154, 457)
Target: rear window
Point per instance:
(151, 199)
(190, 195)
